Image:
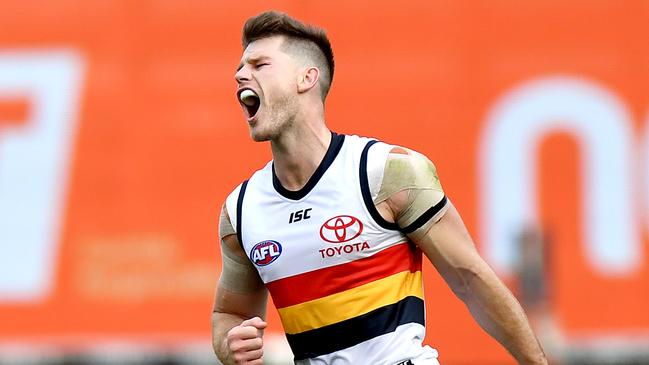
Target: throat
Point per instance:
(294, 175)
(297, 171)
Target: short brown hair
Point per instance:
(300, 38)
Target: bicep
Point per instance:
(449, 247)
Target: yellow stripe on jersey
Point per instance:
(351, 303)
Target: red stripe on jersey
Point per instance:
(330, 280)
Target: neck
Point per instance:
(297, 153)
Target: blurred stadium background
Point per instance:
(120, 136)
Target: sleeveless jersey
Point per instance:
(346, 283)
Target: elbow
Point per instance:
(463, 280)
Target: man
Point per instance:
(335, 226)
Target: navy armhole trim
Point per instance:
(367, 195)
(425, 217)
(242, 192)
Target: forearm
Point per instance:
(222, 323)
(240, 297)
(498, 312)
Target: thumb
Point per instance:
(256, 322)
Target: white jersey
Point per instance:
(346, 283)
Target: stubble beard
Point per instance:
(280, 116)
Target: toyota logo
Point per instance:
(341, 228)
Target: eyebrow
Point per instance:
(253, 59)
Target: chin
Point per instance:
(260, 136)
(267, 130)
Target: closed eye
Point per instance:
(260, 65)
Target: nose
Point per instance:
(243, 74)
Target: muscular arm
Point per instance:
(449, 247)
(240, 294)
(447, 244)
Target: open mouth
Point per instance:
(250, 102)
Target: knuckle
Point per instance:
(232, 333)
(235, 346)
(237, 333)
(238, 357)
(257, 354)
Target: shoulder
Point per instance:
(232, 197)
(391, 167)
(230, 206)
(236, 195)
(412, 190)
(372, 154)
(411, 168)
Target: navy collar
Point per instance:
(334, 147)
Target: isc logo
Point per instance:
(265, 252)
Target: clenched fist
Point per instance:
(245, 343)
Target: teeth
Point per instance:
(248, 97)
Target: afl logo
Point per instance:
(265, 252)
(341, 228)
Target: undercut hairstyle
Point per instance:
(303, 40)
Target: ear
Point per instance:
(308, 79)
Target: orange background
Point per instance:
(161, 142)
